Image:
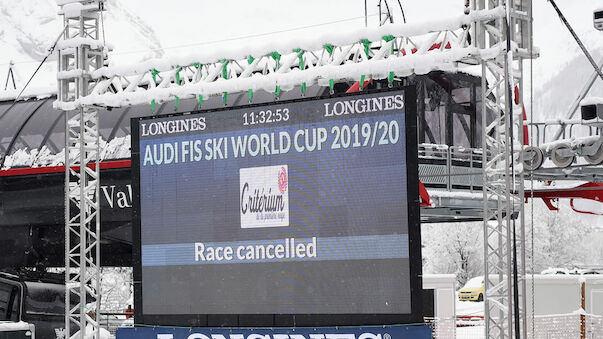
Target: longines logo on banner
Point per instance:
(264, 196)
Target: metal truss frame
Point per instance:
(80, 53)
(492, 34)
(504, 229)
(386, 52)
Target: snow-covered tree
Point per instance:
(560, 238)
(453, 248)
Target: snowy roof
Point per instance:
(32, 131)
(30, 92)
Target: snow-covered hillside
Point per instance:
(29, 28)
(554, 97)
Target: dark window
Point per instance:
(43, 298)
(9, 302)
(599, 15)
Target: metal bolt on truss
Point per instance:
(80, 53)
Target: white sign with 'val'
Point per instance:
(264, 196)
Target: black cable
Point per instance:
(389, 14)
(365, 14)
(10, 75)
(379, 5)
(588, 56)
(509, 111)
(402, 10)
(26, 84)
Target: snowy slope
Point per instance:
(553, 98)
(562, 69)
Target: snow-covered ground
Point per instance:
(469, 308)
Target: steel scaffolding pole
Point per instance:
(502, 141)
(80, 53)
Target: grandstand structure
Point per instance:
(475, 148)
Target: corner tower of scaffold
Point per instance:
(80, 52)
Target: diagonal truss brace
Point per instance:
(384, 52)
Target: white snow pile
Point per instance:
(117, 148)
(30, 92)
(76, 42)
(104, 334)
(117, 291)
(591, 101)
(11, 326)
(72, 9)
(456, 194)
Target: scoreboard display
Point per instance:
(299, 213)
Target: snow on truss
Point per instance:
(591, 101)
(381, 52)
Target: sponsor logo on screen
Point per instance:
(350, 332)
(364, 105)
(362, 335)
(172, 126)
(264, 196)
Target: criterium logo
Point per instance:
(264, 196)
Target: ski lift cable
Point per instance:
(573, 33)
(50, 51)
(365, 14)
(389, 14)
(402, 10)
(531, 29)
(10, 75)
(101, 10)
(509, 109)
(245, 36)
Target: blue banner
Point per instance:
(370, 332)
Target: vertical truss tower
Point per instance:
(502, 141)
(80, 53)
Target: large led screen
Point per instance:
(294, 208)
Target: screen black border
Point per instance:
(292, 320)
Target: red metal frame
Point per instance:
(58, 169)
(590, 190)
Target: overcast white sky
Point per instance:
(184, 22)
(176, 23)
